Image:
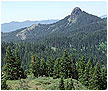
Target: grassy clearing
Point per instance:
(41, 83)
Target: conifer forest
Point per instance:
(70, 54)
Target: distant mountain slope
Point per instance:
(78, 21)
(12, 26)
(80, 33)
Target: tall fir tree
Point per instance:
(43, 67)
(12, 68)
(56, 68)
(80, 68)
(8, 64)
(66, 66)
(50, 66)
(90, 66)
(20, 71)
(87, 73)
(103, 83)
(72, 66)
(96, 79)
(35, 65)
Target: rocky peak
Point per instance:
(73, 17)
(76, 11)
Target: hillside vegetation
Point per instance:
(67, 55)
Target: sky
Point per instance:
(45, 10)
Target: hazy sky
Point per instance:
(39, 10)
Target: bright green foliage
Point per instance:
(71, 85)
(61, 84)
(56, 68)
(103, 78)
(50, 66)
(23, 85)
(103, 45)
(67, 85)
(96, 80)
(4, 86)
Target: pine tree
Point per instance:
(61, 84)
(72, 67)
(50, 66)
(87, 73)
(96, 80)
(43, 67)
(17, 64)
(56, 68)
(90, 74)
(80, 68)
(7, 69)
(103, 83)
(65, 66)
(12, 68)
(35, 65)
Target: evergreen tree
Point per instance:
(12, 68)
(61, 84)
(96, 80)
(50, 66)
(103, 83)
(87, 73)
(35, 65)
(56, 68)
(17, 64)
(80, 68)
(8, 63)
(65, 66)
(43, 67)
(72, 68)
(91, 71)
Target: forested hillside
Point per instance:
(72, 48)
(14, 25)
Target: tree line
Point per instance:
(92, 76)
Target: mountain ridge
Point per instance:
(83, 35)
(14, 25)
(70, 23)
